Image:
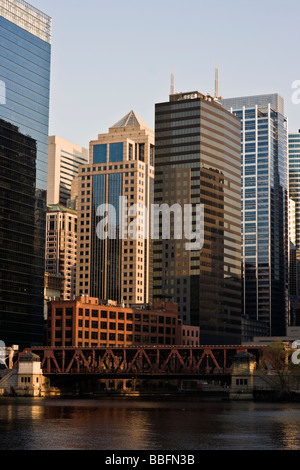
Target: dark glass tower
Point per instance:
(25, 37)
(264, 209)
(198, 162)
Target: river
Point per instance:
(143, 424)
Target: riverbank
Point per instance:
(219, 395)
(272, 396)
(263, 396)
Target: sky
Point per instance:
(109, 57)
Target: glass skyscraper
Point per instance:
(198, 162)
(294, 227)
(294, 180)
(25, 50)
(265, 243)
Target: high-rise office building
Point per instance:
(294, 179)
(294, 286)
(61, 247)
(118, 265)
(292, 221)
(63, 162)
(265, 234)
(25, 52)
(294, 227)
(198, 162)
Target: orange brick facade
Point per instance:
(85, 322)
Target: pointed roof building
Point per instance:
(121, 166)
(131, 120)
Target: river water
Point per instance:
(142, 424)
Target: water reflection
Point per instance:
(146, 425)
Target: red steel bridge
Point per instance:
(141, 361)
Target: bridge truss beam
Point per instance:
(183, 360)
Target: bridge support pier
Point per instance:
(242, 377)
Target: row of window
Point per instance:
(138, 317)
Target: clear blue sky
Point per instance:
(109, 57)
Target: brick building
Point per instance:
(87, 322)
(188, 335)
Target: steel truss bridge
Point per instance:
(142, 361)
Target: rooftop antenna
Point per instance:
(217, 83)
(172, 84)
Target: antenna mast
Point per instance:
(172, 84)
(217, 83)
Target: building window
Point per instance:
(142, 152)
(130, 152)
(100, 153)
(116, 152)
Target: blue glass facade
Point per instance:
(294, 178)
(97, 265)
(116, 152)
(100, 153)
(105, 269)
(24, 116)
(264, 214)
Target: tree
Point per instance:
(276, 357)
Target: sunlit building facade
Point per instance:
(63, 162)
(88, 322)
(198, 162)
(61, 247)
(117, 265)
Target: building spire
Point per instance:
(172, 84)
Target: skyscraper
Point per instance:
(61, 247)
(63, 162)
(294, 179)
(265, 241)
(25, 40)
(117, 266)
(294, 227)
(198, 162)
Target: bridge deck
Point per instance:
(155, 360)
